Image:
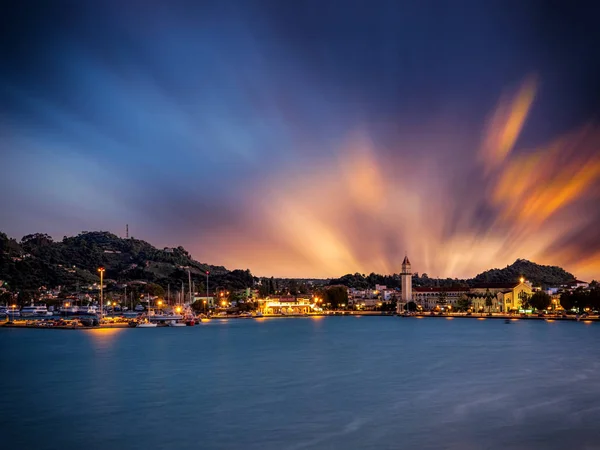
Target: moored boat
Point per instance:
(146, 324)
(35, 310)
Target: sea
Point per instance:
(304, 383)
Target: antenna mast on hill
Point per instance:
(127, 231)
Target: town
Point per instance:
(143, 304)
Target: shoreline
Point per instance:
(587, 320)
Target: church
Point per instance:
(506, 297)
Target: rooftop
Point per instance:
(496, 285)
(441, 289)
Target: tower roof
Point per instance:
(406, 261)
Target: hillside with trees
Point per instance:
(37, 260)
(538, 274)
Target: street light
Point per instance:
(101, 270)
(207, 272)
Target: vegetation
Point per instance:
(524, 297)
(463, 304)
(540, 300)
(38, 261)
(489, 300)
(335, 296)
(580, 300)
(539, 275)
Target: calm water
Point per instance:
(310, 383)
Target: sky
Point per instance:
(309, 138)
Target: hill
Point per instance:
(37, 261)
(538, 274)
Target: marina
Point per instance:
(159, 321)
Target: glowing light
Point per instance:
(522, 280)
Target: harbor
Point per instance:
(92, 322)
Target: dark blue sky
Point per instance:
(215, 125)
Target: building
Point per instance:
(506, 297)
(210, 300)
(406, 278)
(438, 297)
(285, 305)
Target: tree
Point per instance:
(25, 297)
(540, 300)
(411, 306)
(524, 297)
(463, 303)
(335, 296)
(489, 300)
(567, 301)
(6, 298)
(442, 298)
(154, 290)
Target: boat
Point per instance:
(174, 323)
(146, 324)
(138, 308)
(69, 310)
(13, 312)
(33, 310)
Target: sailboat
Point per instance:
(146, 323)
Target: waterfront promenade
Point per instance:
(53, 323)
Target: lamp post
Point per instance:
(101, 270)
(207, 272)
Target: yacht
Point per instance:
(33, 310)
(146, 324)
(71, 310)
(14, 312)
(174, 323)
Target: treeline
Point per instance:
(581, 300)
(362, 281)
(37, 260)
(539, 275)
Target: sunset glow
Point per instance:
(252, 147)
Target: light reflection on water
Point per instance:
(306, 383)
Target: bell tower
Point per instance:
(406, 277)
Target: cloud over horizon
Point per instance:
(307, 140)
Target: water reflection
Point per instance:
(103, 338)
